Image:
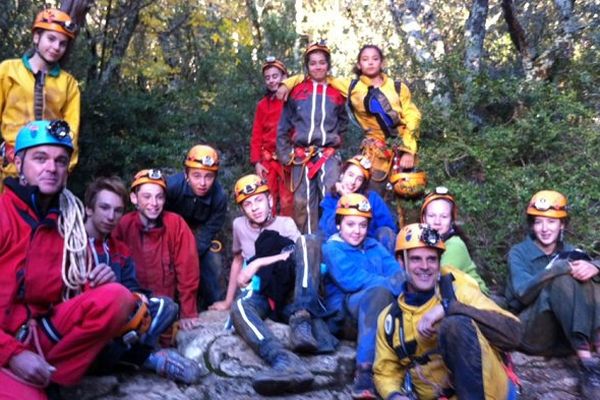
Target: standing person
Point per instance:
(556, 291)
(57, 315)
(162, 245)
(384, 110)
(354, 178)
(198, 197)
(439, 211)
(310, 131)
(362, 278)
(279, 270)
(442, 337)
(35, 87)
(264, 137)
(139, 345)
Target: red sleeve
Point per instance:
(9, 346)
(187, 267)
(257, 133)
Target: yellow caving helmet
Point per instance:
(548, 203)
(439, 193)
(248, 186)
(149, 176)
(203, 157)
(409, 184)
(55, 20)
(363, 163)
(414, 236)
(354, 204)
(321, 45)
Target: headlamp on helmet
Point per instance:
(548, 203)
(248, 186)
(149, 176)
(354, 204)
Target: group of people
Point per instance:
(84, 286)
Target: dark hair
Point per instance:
(338, 219)
(327, 58)
(362, 189)
(112, 184)
(357, 70)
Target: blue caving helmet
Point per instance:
(38, 133)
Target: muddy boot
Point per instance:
(363, 386)
(172, 365)
(301, 336)
(287, 374)
(589, 380)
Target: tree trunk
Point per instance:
(518, 37)
(565, 9)
(255, 11)
(475, 35)
(431, 30)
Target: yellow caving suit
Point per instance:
(61, 100)
(499, 326)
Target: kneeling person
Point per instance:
(442, 337)
(287, 291)
(104, 207)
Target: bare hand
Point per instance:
(583, 270)
(282, 92)
(340, 189)
(187, 324)
(222, 305)
(261, 170)
(426, 325)
(100, 275)
(407, 161)
(31, 367)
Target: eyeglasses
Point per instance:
(59, 129)
(207, 160)
(68, 26)
(429, 236)
(542, 204)
(154, 174)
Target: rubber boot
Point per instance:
(287, 374)
(363, 386)
(301, 336)
(172, 365)
(589, 380)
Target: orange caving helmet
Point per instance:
(409, 184)
(55, 20)
(149, 176)
(548, 203)
(140, 320)
(439, 193)
(271, 61)
(354, 204)
(363, 163)
(203, 157)
(414, 236)
(321, 45)
(248, 186)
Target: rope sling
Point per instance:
(76, 262)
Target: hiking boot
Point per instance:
(363, 387)
(301, 336)
(589, 380)
(287, 374)
(172, 365)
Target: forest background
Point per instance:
(509, 91)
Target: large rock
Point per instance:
(547, 378)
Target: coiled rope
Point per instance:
(77, 262)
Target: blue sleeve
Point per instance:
(327, 223)
(205, 234)
(347, 272)
(381, 213)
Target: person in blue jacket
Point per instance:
(354, 178)
(362, 278)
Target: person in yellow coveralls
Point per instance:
(442, 338)
(35, 87)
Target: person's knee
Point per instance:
(376, 298)
(114, 299)
(455, 331)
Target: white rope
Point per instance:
(76, 263)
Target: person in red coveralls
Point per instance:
(56, 314)
(264, 137)
(162, 246)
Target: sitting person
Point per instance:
(104, 206)
(285, 281)
(556, 290)
(162, 246)
(362, 278)
(441, 338)
(354, 178)
(439, 211)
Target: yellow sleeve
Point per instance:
(411, 117)
(293, 81)
(72, 114)
(341, 84)
(388, 373)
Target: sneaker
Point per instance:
(363, 387)
(287, 374)
(302, 339)
(172, 365)
(590, 379)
